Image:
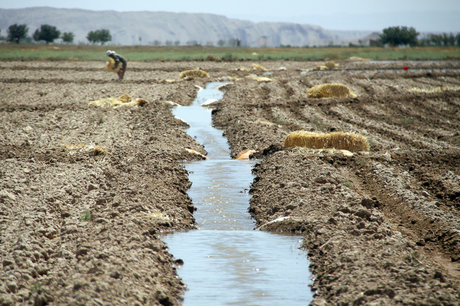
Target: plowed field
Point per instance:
(85, 190)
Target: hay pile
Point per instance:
(254, 67)
(258, 78)
(258, 67)
(124, 100)
(110, 65)
(330, 91)
(191, 74)
(336, 140)
(84, 148)
(327, 66)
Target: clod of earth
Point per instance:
(330, 91)
(337, 140)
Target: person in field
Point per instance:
(116, 63)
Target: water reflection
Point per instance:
(226, 262)
(241, 268)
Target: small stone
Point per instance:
(363, 213)
(367, 202)
(321, 180)
(81, 251)
(12, 286)
(6, 299)
(6, 195)
(179, 262)
(115, 275)
(438, 275)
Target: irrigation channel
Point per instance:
(226, 262)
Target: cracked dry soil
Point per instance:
(82, 226)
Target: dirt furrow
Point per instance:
(85, 191)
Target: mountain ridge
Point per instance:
(159, 27)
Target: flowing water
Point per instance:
(226, 262)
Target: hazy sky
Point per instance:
(424, 15)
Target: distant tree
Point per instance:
(102, 36)
(16, 32)
(221, 43)
(396, 36)
(443, 39)
(457, 39)
(194, 43)
(68, 37)
(435, 39)
(177, 43)
(448, 39)
(47, 32)
(92, 37)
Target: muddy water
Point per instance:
(226, 262)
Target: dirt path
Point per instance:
(80, 224)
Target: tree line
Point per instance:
(397, 36)
(48, 33)
(393, 36)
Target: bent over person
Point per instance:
(116, 63)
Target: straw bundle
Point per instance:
(258, 67)
(254, 67)
(258, 78)
(335, 140)
(124, 100)
(110, 65)
(331, 65)
(330, 91)
(326, 66)
(190, 74)
(244, 155)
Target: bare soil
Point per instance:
(83, 225)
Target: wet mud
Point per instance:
(80, 225)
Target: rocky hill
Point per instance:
(150, 28)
